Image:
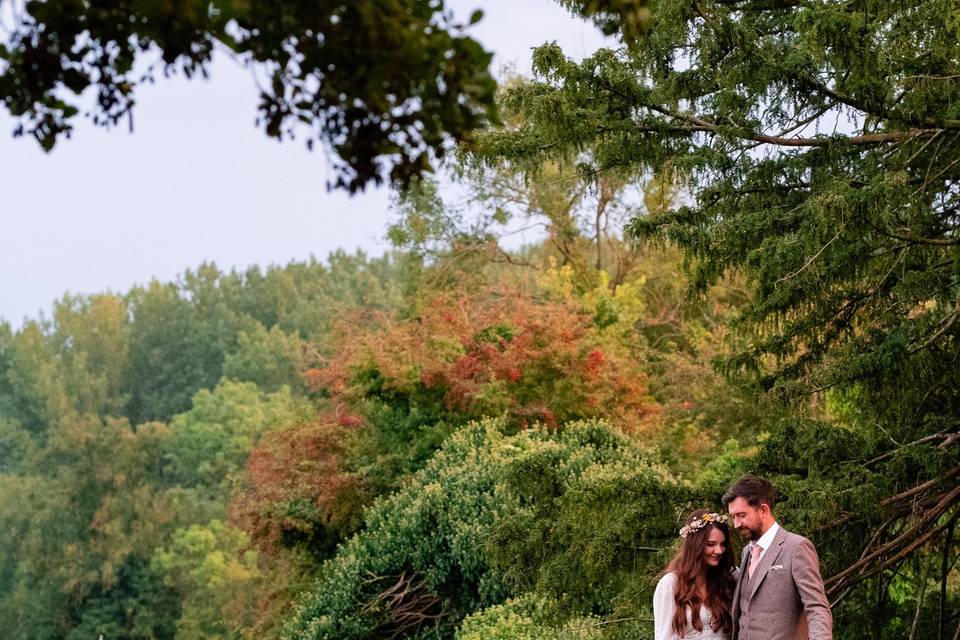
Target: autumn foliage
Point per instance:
(499, 352)
(297, 490)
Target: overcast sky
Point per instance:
(197, 181)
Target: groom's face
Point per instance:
(747, 520)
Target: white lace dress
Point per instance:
(664, 607)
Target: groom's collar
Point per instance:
(767, 538)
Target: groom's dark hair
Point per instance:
(754, 489)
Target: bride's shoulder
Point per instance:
(667, 581)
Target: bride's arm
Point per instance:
(664, 607)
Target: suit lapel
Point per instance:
(769, 557)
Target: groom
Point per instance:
(779, 594)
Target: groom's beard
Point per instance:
(750, 534)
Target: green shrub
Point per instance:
(420, 565)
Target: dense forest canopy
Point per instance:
(749, 262)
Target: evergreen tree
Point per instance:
(818, 142)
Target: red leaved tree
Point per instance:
(500, 351)
(297, 491)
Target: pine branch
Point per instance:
(866, 139)
(758, 5)
(882, 113)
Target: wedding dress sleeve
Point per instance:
(664, 607)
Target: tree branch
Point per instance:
(920, 488)
(872, 563)
(760, 5)
(860, 105)
(701, 125)
(948, 438)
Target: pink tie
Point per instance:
(754, 559)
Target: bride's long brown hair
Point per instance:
(688, 564)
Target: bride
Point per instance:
(693, 598)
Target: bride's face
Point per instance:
(714, 547)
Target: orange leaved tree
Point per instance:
(496, 352)
(297, 491)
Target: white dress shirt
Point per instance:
(766, 539)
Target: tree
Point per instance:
(297, 494)
(495, 352)
(270, 359)
(818, 141)
(136, 606)
(112, 522)
(582, 214)
(32, 392)
(420, 564)
(210, 443)
(91, 336)
(84, 515)
(382, 85)
(175, 350)
(214, 577)
(583, 225)
(633, 293)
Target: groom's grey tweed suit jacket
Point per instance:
(786, 588)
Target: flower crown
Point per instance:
(702, 521)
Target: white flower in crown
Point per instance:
(702, 521)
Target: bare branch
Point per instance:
(900, 547)
(948, 438)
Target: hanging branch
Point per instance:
(945, 571)
(889, 554)
(406, 605)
